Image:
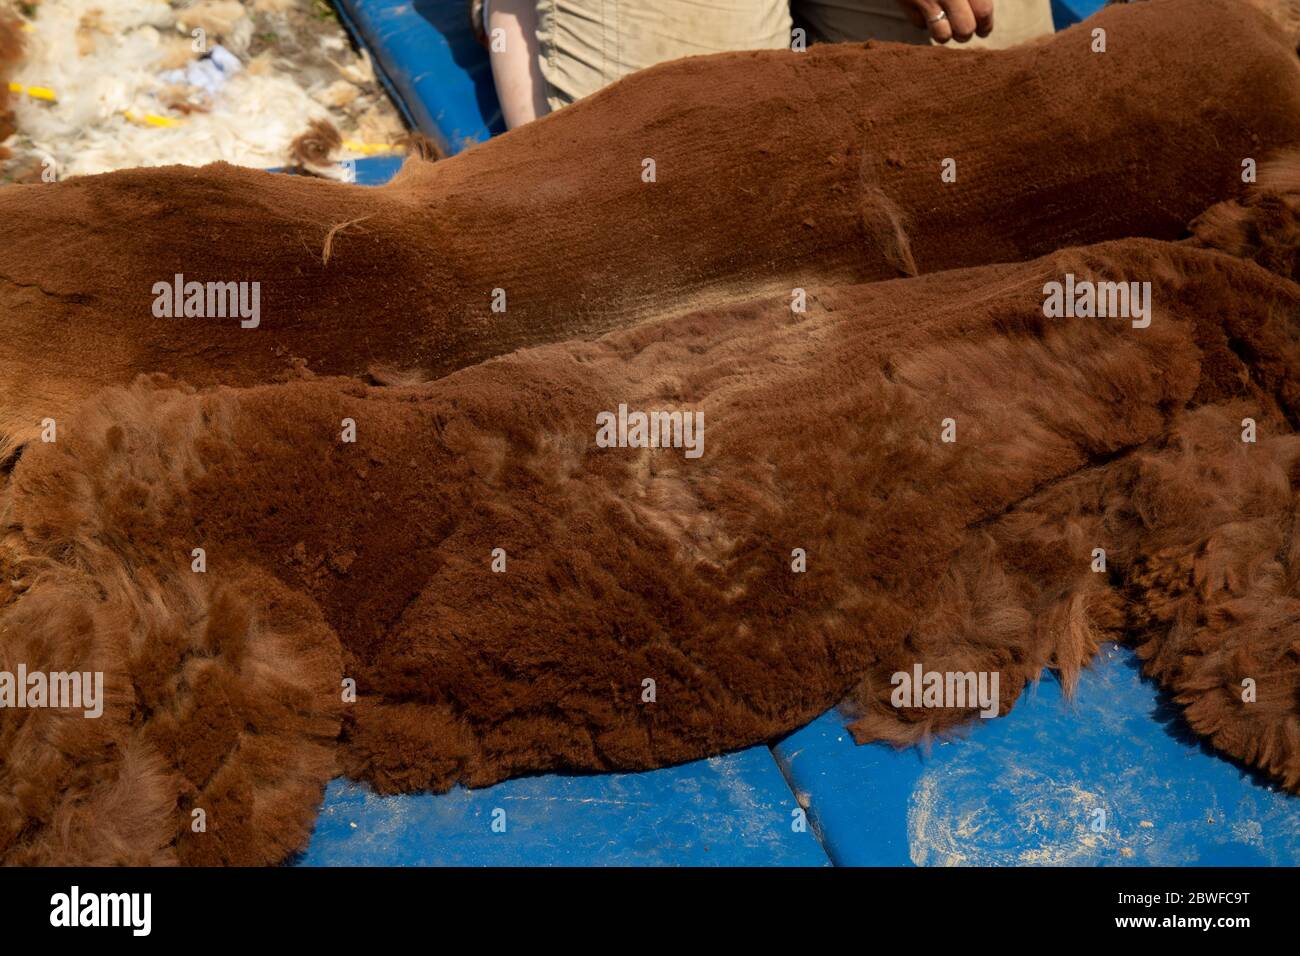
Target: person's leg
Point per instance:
(1015, 22)
(588, 44)
(511, 27)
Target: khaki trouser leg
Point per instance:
(588, 44)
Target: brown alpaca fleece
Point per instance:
(1264, 223)
(372, 559)
(773, 170)
(1286, 13)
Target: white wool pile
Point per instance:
(102, 59)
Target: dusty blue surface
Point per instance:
(1025, 788)
(426, 54)
(1066, 12)
(734, 810)
(377, 170)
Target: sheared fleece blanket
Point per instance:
(900, 456)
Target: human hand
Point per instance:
(951, 19)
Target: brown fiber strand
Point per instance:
(328, 248)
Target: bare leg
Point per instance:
(513, 51)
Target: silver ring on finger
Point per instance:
(938, 17)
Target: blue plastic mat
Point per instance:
(1027, 788)
(426, 55)
(727, 811)
(1066, 12)
(378, 170)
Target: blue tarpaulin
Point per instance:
(426, 55)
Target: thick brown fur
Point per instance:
(330, 560)
(1263, 224)
(774, 170)
(822, 434)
